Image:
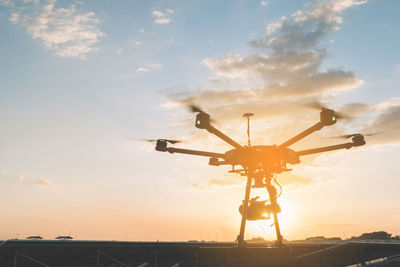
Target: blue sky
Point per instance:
(81, 80)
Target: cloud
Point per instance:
(149, 67)
(287, 68)
(397, 68)
(68, 31)
(356, 109)
(305, 28)
(135, 42)
(264, 3)
(7, 3)
(162, 17)
(14, 17)
(155, 65)
(142, 69)
(386, 124)
(27, 180)
(44, 183)
(289, 65)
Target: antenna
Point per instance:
(247, 116)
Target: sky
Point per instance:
(83, 81)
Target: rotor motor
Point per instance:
(202, 120)
(327, 117)
(358, 140)
(161, 145)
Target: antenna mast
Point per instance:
(247, 116)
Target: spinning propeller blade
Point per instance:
(346, 136)
(195, 109)
(315, 105)
(155, 140)
(320, 106)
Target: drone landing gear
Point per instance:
(273, 207)
(240, 238)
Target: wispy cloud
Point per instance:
(7, 3)
(69, 31)
(26, 180)
(44, 183)
(161, 17)
(386, 123)
(136, 42)
(149, 67)
(142, 69)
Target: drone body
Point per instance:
(272, 158)
(259, 163)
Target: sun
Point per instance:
(288, 219)
(288, 216)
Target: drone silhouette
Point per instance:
(260, 163)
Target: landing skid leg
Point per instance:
(240, 239)
(272, 196)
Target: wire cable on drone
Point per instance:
(280, 187)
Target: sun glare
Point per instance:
(288, 218)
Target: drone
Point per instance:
(259, 163)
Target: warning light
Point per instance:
(333, 118)
(198, 122)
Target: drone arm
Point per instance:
(314, 128)
(194, 152)
(324, 149)
(221, 135)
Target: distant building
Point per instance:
(34, 237)
(64, 237)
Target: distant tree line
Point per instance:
(375, 235)
(365, 236)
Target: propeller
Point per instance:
(341, 115)
(171, 141)
(167, 140)
(320, 106)
(195, 109)
(346, 136)
(315, 105)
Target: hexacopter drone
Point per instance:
(259, 163)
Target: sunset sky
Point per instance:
(82, 81)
